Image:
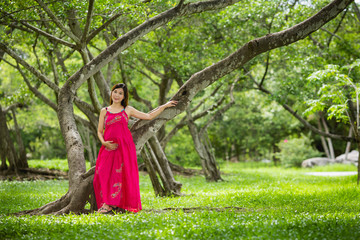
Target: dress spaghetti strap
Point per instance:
(115, 113)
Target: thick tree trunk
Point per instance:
(3, 149)
(85, 133)
(94, 149)
(22, 160)
(169, 185)
(213, 166)
(9, 148)
(73, 201)
(158, 188)
(208, 162)
(174, 186)
(80, 183)
(353, 119)
(3, 165)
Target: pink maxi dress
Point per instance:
(116, 179)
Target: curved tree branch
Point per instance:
(142, 130)
(57, 21)
(183, 122)
(307, 124)
(133, 35)
(143, 73)
(220, 111)
(30, 68)
(357, 11)
(48, 35)
(39, 31)
(88, 21)
(337, 28)
(37, 93)
(102, 27)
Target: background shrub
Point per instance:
(294, 151)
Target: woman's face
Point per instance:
(117, 95)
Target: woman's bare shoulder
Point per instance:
(129, 108)
(103, 110)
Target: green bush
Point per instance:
(294, 151)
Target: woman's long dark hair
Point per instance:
(125, 101)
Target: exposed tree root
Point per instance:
(73, 201)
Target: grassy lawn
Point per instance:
(59, 164)
(277, 203)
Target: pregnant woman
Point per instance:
(116, 179)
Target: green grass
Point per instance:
(277, 203)
(59, 164)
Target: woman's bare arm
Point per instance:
(107, 144)
(151, 115)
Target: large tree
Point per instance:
(80, 181)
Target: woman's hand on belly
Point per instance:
(110, 145)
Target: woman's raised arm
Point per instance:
(153, 114)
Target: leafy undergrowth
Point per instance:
(276, 203)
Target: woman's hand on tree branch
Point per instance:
(171, 103)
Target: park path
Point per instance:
(331, 174)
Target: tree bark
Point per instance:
(3, 143)
(357, 11)
(323, 142)
(353, 119)
(22, 160)
(307, 124)
(94, 149)
(348, 145)
(182, 123)
(9, 148)
(331, 148)
(159, 190)
(174, 186)
(207, 159)
(85, 133)
(202, 142)
(3, 165)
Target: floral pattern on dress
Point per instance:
(125, 116)
(119, 170)
(118, 185)
(114, 120)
